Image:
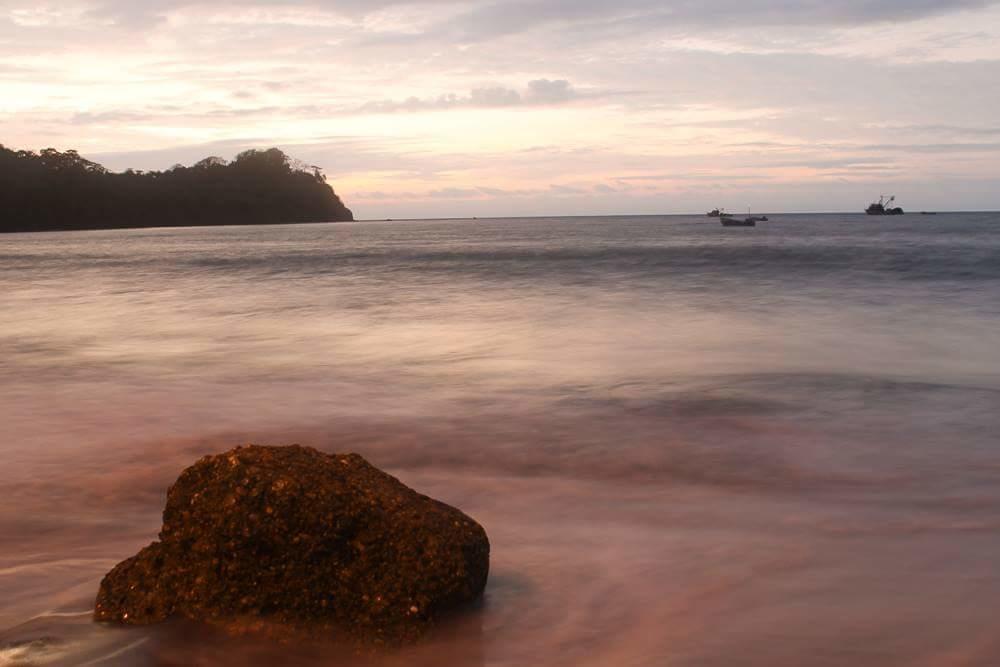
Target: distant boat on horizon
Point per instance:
(721, 213)
(750, 221)
(730, 221)
(884, 207)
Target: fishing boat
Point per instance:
(750, 221)
(884, 207)
(729, 221)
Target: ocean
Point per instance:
(690, 445)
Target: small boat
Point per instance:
(735, 222)
(750, 221)
(716, 213)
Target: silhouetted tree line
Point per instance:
(53, 190)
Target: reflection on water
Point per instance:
(689, 445)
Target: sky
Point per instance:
(445, 108)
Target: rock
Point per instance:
(290, 536)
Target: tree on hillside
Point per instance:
(53, 190)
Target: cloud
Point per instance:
(499, 19)
(545, 91)
(486, 20)
(454, 193)
(539, 92)
(110, 117)
(969, 147)
(134, 15)
(938, 128)
(483, 192)
(18, 70)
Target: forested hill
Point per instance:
(51, 190)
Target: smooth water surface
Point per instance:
(690, 445)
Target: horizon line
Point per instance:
(653, 215)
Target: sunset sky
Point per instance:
(447, 108)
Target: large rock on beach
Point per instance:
(294, 538)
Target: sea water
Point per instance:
(690, 445)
